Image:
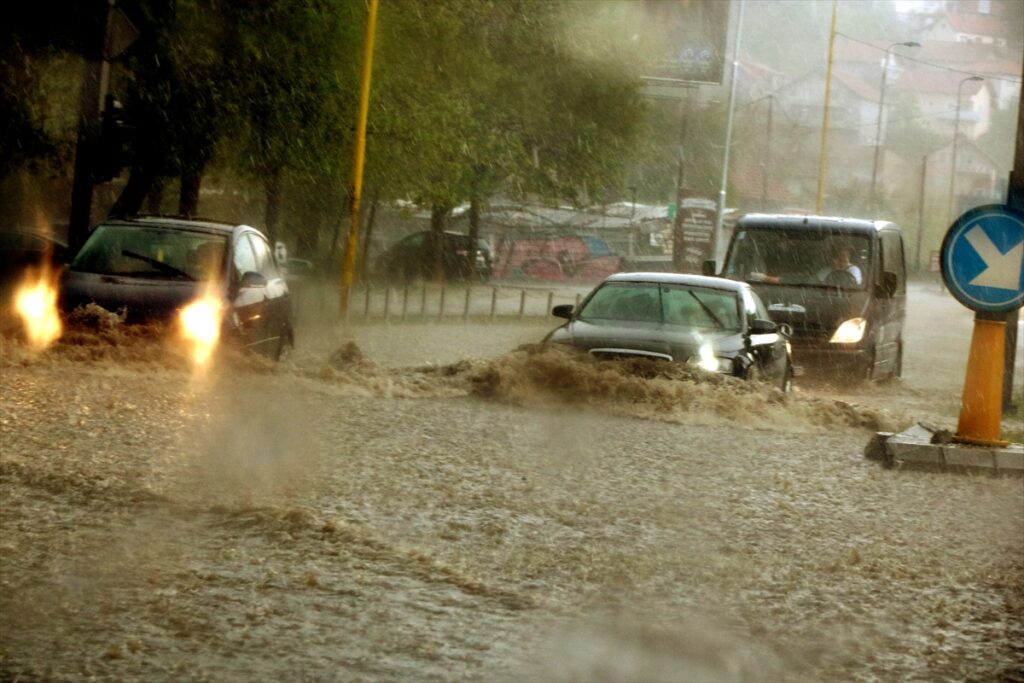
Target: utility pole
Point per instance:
(1015, 199)
(824, 119)
(920, 214)
(878, 126)
(359, 157)
(767, 155)
(717, 244)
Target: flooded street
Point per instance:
(429, 503)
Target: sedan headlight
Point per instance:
(850, 332)
(707, 360)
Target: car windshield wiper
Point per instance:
(707, 310)
(159, 265)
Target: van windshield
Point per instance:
(800, 257)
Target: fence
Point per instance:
(432, 302)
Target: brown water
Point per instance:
(509, 514)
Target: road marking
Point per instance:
(1003, 271)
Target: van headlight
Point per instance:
(850, 332)
(707, 360)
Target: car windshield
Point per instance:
(152, 252)
(799, 257)
(669, 304)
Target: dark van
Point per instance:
(840, 283)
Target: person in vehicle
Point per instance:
(842, 268)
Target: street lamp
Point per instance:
(881, 106)
(956, 135)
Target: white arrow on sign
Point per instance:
(1003, 270)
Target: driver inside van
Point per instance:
(842, 268)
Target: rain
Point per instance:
(295, 374)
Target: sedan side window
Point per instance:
(244, 258)
(265, 265)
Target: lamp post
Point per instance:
(956, 136)
(881, 106)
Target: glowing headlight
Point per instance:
(200, 324)
(707, 360)
(850, 332)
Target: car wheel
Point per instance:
(754, 373)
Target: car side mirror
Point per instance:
(562, 311)
(709, 267)
(888, 286)
(252, 279)
(761, 326)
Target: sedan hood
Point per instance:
(144, 298)
(680, 343)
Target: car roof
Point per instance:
(177, 223)
(800, 221)
(680, 279)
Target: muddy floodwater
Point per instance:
(420, 502)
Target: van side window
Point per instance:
(892, 258)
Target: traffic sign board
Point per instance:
(983, 259)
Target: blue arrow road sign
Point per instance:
(983, 259)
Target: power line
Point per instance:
(931, 64)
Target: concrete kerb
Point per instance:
(926, 447)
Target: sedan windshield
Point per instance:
(669, 304)
(152, 252)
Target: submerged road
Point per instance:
(491, 516)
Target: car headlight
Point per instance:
(850, 332)
(707, 360)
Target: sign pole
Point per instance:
(983, 267)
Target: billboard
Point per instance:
(692, 38)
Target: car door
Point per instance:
(276, 303)
(248, 291)
(890, 307)
(769, 350)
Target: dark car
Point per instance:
(413, 257)
(24, 249)
(719, 325)
(152, 267)
(840, 283)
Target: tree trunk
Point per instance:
(188, 198)
(474, 233)
(272, 186)
(155, 198)
(438, 220)
(140, 180)
(367, 232)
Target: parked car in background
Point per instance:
(24, 249)
(716, 324)
(413, 257)
(840, 283)
(151, 267)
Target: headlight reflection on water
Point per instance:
(36, 303)
(200, 327)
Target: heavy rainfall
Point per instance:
(282, 395)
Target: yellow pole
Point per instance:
(824, 120)
(981, 409)
(359, 156)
